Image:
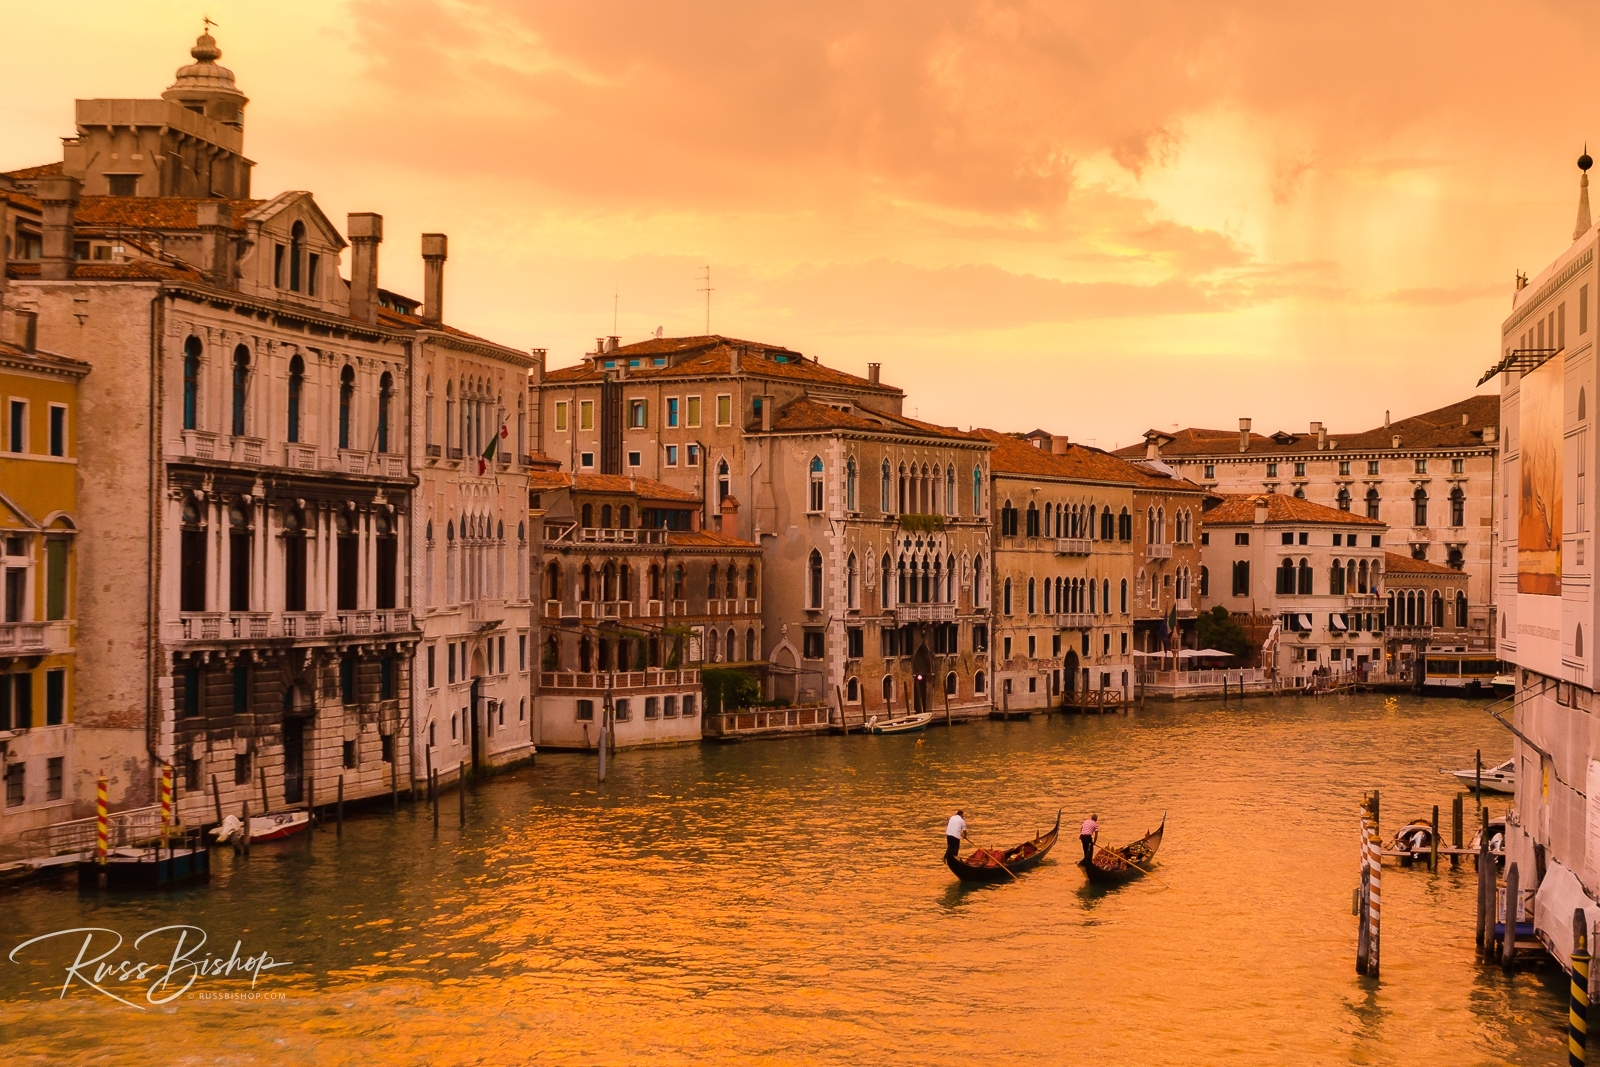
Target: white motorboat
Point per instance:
(268, 827)
(1504, 684)
(1501, 779)
(904, 725)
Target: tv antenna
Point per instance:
(706, 289)
(616, 295)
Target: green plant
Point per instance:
(1216, 629)
(923, 524)
(726, 688)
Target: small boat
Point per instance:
(270, 827)
(1504, 684)
(1497, 839)
(906, 724)
(1501, 779)
(1111, 866)
(989, 865)
(1412, 842)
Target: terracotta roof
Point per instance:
(644, 488)
(49, 360)
(705, 539)
(19, 199)
(150, 212)
(803, 413)
(1394, 563)
(28, 174)
(101, 270)
(1013, 455)
(1440, 428)
(1280, 508)
(700, 357)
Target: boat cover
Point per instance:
(1558, 895)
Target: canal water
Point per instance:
(784, 902)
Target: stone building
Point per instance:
(636, 598)
(248, 470)
(1432, 479)
(1316, 569)
(823, 470)
(1064, 569)
(1166, 586)
(1548, 611)
(1424, 603)
(39, 550)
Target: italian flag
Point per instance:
(494, 443)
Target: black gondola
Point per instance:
(988, 865)
(1110, 866)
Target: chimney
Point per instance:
(735, 359)
(1152, 446)
(1490, 433)
(1261, 510)
(1395, 441)
(1058, 445)
(613, 343)
(435, 250)
(728, 521)
(60, 198)
(1244, 435)
(1385, 418)
(874, 370)
(215, 218)
(365, 230)
(1322, 436)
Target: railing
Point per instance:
(302, 624)
(905, 613)
(352, 461)
(733, 606)
(390, 465)
(482, 611)
(617, 609)
(201, 444)
(1208, 678)
(621, 537)
(1073, 546)
(201, 626)
(126, 828)
(433, 451)
(614, 680)
(455, 452)
(246, 449)
(1077, 620)
(1157, 552)
(559, 531)
(18, 636)
(1409, 633)
(301, 456)
(803, 718)
(249, 625)
(388, 620)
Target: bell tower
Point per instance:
(206, 88)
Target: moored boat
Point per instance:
(1500, 779)
(1413, 841)
(906, 724)
(269, 827)
(991, 865)
(1110, 866)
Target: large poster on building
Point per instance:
(1539, 520)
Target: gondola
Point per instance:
(908, 724)
(988, 865)
(1112, 866)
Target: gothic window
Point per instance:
(884, 490)
(1303, 578)
(1344, 498)
(191, 383)
(385, 391)
(814, 500)
(850, 485)
(1123, 600)
(950, 492)
(883, 582)
(1007, 597)
(241, 386)
(552, 580)
(724, 485)
(977, 491)
(850, 582)
(1461, 609)
(816, 579)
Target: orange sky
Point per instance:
(1090, 218)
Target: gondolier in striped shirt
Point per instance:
(954, 831)
(1086, 834)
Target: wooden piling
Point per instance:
(311, 809)
(1486, 881)
(463, 793)
(1455, 830)
(216, 796)
(427, 757)
(1508, 942)
(339, 810)
(244, 834)
(394, 784)
(266, 802)
(946, 691)
(1363, 933)
(844, 723)
(1578, 998)
(433, 796)
(1433, 846)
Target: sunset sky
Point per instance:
(1090, 218)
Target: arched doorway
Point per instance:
(784, 674)
(1069, 675)
(297, 711)
(922, 670)
(474, 732)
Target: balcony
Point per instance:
(600, 681)
(434, 451)
(353, 461)
(388, 620)
(389, 465)
(481, 612)
(23, 638)
(245, 449)
(1409, 633)
(617, 609)
(552, 609)
(251, 625)
(1154, 552)
(201, 444)
(595, 535)
(1185, 607)
(201, 625)
(455, 453)
(302, 457)
(1075, 621)
(1073, 546)
(905, 613)
(301, 624)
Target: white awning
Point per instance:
(1302, 622)
(1338, 622)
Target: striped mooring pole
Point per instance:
(102, 822)
(1374, 885)
(166, 800)
(1578, 1006)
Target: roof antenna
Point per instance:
(615, 296)
(206, 21)
(708, 291)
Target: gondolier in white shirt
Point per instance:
(1086, 836)
(954, 831)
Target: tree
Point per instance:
(1216, 629)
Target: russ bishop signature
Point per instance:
(101, 966)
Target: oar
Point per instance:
(996, 857)
(1130, 863)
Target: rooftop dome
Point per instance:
(206, 87)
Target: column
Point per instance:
(213, 547)
(366, 596)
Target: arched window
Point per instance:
(678, 577)
(950, 581)
(750, 589)
(586, 582)
(552, 581)
(297, 379)
(1344, 498)
(241, 387)
(297, 241)
(711, 583)
(724, 485)
(751, 653)
(884, 499)
(883, 582)
(1458, 507)
(605, 516)
(850, 485)
(586, 516)
(1006, 598)
(950, 492)
(815, 584)
(624, 583)
(1438, 608)
(1032, 604)
(1372, 503)
(978, 683)
(294, 560)
(1461, 609)
(625, 520)
(1205, 582)
(1299, 492)
(977, 491)
(1123, 600)
(347, 390)
(888, 689)
(1336, 579)
(1286, 578)
(852, 690)
(950, 684)
(850, 582)
(191, 383)
(1033, 520)
(711, 645)
(449, 414)
(1419, 507)
(977, 582)
(814, 501)
(385, 391)
(1304, 584)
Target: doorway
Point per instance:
(1069, 674)
(922, 669)
(294, 756)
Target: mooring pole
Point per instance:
(1477, 762)
(433, 796)
(1375, 889)
(1486, 882)
(244, 835)
(463, 792)
(394, 784)
(1508, 945)
(266, 803)
(1455, 831)
(216, 797)
(1433, 845)
(1578, 1000)
(340, 810)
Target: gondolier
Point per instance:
(954, 831)
(1086, 834)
